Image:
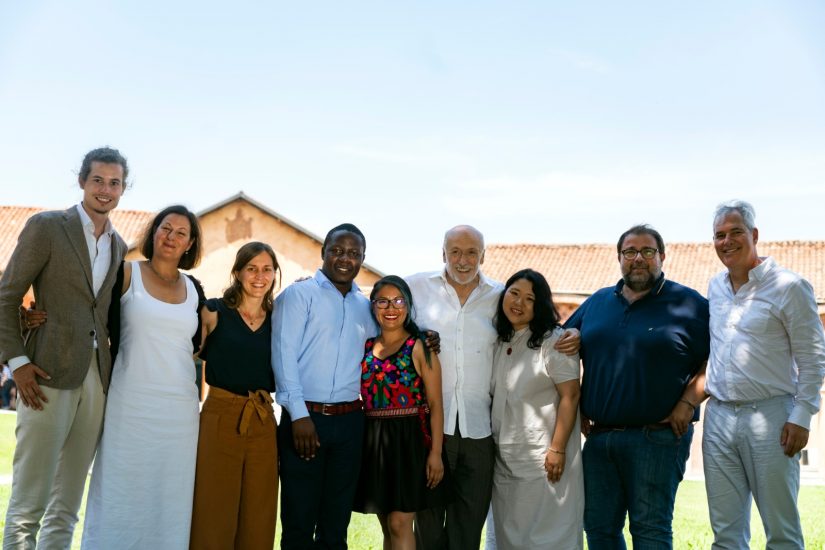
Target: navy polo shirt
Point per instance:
(639, 357)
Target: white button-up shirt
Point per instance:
(100, 249)
(467, 340)
(766, 340)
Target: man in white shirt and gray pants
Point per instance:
(767, 360)
(459, 302)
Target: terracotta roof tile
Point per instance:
(129, 223)
(581, 269)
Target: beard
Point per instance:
(462, 278)
(639, 282)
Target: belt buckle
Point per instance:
(326, 409)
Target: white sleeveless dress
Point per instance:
(144, 473)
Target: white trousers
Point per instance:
(743, 457)
(55, 447)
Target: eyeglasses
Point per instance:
(384, 303)
(647, 253)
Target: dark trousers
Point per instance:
(317, 494)
(459, 525)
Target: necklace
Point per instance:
(516, 340)
(161, 277)
(251, 319)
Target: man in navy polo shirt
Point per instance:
(645, 344)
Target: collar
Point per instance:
(759, 272)
(656, 290)
(322, 280)
(88, 224)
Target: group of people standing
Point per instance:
(439, 396)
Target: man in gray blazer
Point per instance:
(61, 368)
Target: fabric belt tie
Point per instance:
(260, 402)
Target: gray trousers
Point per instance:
(743, 457)
(459, 525)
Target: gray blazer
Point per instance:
(52, 255)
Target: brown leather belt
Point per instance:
(334, 409)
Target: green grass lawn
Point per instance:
(690, 525)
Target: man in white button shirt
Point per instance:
(766, 366)
(62, 367)
(459, 302)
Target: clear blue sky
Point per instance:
(537, 121)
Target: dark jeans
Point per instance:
(317, 494)
(459, 525)
(632, 472)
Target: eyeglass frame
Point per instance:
(397, 303)
(645, 253)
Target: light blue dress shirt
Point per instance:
(318, 338)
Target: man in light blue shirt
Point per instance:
(318, 333)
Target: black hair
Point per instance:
(642, 229)
(545, 315)
(409, 325)
(350, 228)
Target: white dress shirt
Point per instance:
(100, 249)
(467, 340)
(100, 258)
(766, 340)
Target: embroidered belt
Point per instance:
(409, 411)
(421, 412)
(335, 409)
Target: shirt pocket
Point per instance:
(755, 318)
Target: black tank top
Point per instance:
(238, 359)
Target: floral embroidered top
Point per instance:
(391, 383)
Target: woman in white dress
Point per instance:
(538, 491)
(142, 481)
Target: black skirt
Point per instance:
(394, 468)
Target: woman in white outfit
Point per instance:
(142, 482)
(538, 491)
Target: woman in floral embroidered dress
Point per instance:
(402, 464)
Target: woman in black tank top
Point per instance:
(236, 480)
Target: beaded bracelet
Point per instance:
(552, 450)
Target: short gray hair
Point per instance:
(743, 208)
